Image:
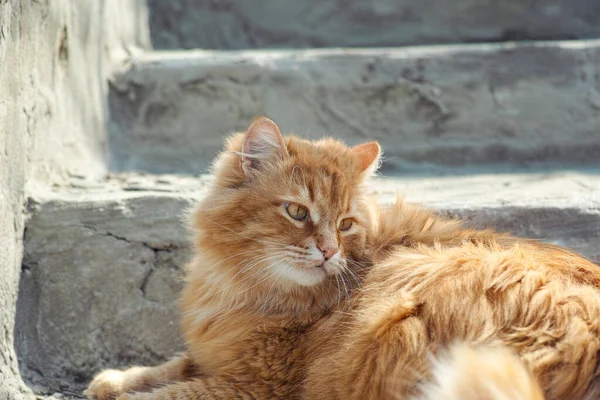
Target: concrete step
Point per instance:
(102, 261)
(448, 106)
(316, 23)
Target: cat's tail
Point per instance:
(406, 224)
(480, 373)
(402, 223)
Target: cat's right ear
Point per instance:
(369, 157)
(263, 146)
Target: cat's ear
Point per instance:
(369, 156)
(263, 145)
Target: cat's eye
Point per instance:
(346, 224)
(296, 211)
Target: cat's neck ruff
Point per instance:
(216, 293)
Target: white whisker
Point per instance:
(278, 276)
(245, 237)
(238, 254)
(345, 287)
(356, 264)
(338, 288)
(251, 263)
(259, 282)
(351, 274)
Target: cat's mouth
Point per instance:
(309, 274)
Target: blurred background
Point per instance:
(497, 93)
(112, 110)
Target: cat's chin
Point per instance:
(306, 277)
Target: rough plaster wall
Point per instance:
(12, 179)
(54, 56)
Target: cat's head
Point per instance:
(287, 211)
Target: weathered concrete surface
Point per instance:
(227, 24)
(102, 265)
(516, 104)
(100, 275)
(54, 58)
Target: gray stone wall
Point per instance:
(438, 107)
(247, 24)
(54, 58)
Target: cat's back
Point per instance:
(508, 270)
(541, 300)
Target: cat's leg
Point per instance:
(110, 383)
(385, 356)
(209, 388)
(393, 358)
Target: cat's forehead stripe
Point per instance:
(323, 189)
(331, 194)
(304, 194)
(311, 193)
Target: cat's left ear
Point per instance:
(369, 156)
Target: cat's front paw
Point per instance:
(107, 385)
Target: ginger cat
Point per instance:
(301, 288)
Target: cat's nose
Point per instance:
(328, 251)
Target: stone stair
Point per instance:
(501, 134)
(250, 24)
(445, 106)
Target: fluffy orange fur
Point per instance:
(480, 373)
(283, 300)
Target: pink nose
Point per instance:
(327, 251)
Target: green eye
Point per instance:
(346, 224)
(296, 211)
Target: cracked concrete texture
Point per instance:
(101, 271)
(55, 56)
(100, 276)
(227, 24)
(102, 262)
(497, 104)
